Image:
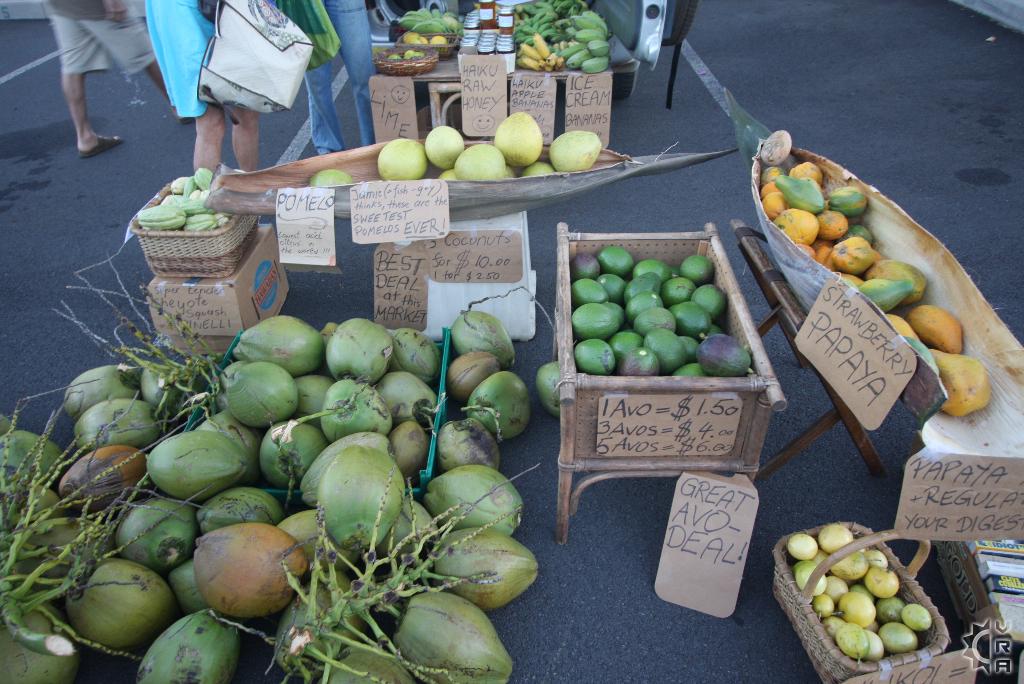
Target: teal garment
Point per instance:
(180, 35)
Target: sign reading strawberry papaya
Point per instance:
(856, 351)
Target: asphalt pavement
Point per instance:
(920, 98)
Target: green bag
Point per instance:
(311, 17)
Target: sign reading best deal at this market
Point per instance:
(856, 351)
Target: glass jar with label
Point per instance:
(471, 30)
(487, 45)
(506, 21)
(506, 45)
(488, 18)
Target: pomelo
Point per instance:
(443, 146)
(327, 178)
(480, 162)
(402, 159)
(519, 138)
(538, 169)
(575, 151)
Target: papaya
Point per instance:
(822, 250)
(769, 188)
(891, 269)
(769, 174)
(801, 193)
(848, 201)
(774, 203)
(886, 293)
(924, 352)
(853, 255)
(832, 225)
(806, 249)
(799, 225)
(901, 325)
(966, 382)
(937, 328)
(852, 280)
(808, 171)
(860, 231)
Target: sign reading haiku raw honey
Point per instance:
(707, 542)
(667, 424)
(856, 350)
(484, 94)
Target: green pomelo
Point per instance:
(519, 139)
(328, 178)
(538, 169)
(481, 162)
(443, 146)
(448, 175)
(402, 159)
(575, 151)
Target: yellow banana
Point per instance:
(541, 46)
(529, 63)
(530, 51)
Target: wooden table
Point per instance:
(789, 315)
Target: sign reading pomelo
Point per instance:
(393, 104)
(706, 542)
(305, 223)
(588, 104)
(856, 351)
(385, 211)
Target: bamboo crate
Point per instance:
(580, 393)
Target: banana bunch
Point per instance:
(588, 50)
(430, 21)
(550, 18)
(538, 56)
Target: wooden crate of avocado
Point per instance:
(656, 425)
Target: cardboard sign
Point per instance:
(534, 93)
(396, 211)
(949, 668)
(588, 104)
(476, 256)
(667, 424)
(393, 102)
(953, 497)
(484, 94)
(706, 542)
(305, 226)
(857, 352)
(400, 286)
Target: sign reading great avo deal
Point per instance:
(707, 542)
(396, 211)
(856, 351)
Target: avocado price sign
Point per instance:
(856, 351)
(707, 542)
(396, 211)
(305, 227)
(955, 497)
(702, 424)
(394, 107)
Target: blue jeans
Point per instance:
(353, 27)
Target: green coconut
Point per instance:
(502, 404)
(360, 485)
(357, 407)
(183, 583)
(5, 424)
(479, 331)
(407, 397)
(197, 465)
(295, 618)
(17, 445)
(23, 666)
(197, 649)
(238, 505)
(154, 389)
(260, 393)
(288, 450)
(464, 442)
(546, 383)
(124, 605)
(413, 520)
(361, 349)
(302, 526)
(243, 435)
(409, 444)
(415, 353)
(481, 494)
(286, 341)
(468, 371)
(497, 567)
(158, 533)
(445, 631)
(311, 480)
(118, 421)
(369, 666)
(312, 390)
(99, 384)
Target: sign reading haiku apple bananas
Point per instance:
(588, 104)
(707, 542)
(856, 350)
(396, 211)
(534, 93)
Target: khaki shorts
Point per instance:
(95, 45)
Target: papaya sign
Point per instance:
(856, 350)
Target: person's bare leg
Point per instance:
(73, 86)
(209, 138)
(153, 70)
(245, 139)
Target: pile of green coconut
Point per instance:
(283, 507)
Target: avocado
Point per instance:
(594, 357)
(585, 290)
(594, 321)
(584, 266)
(648, 282)
(640, 361)
(722, 356)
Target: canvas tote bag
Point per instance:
(256, 59)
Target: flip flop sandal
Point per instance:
(102, 145)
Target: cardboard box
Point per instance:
(217, 308)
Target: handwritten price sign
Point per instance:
(668, 424)
(396, 211)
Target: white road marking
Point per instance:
(303, 136)
(707, 78)
(28, 67)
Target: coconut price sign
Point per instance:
(857, 352)
(706, 542)
(397, 211)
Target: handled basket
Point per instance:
(186, 254)
(405, 67)
(831, 664)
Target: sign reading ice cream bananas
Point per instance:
(588, 104)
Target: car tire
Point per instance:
(687, 10)
(623, 84)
